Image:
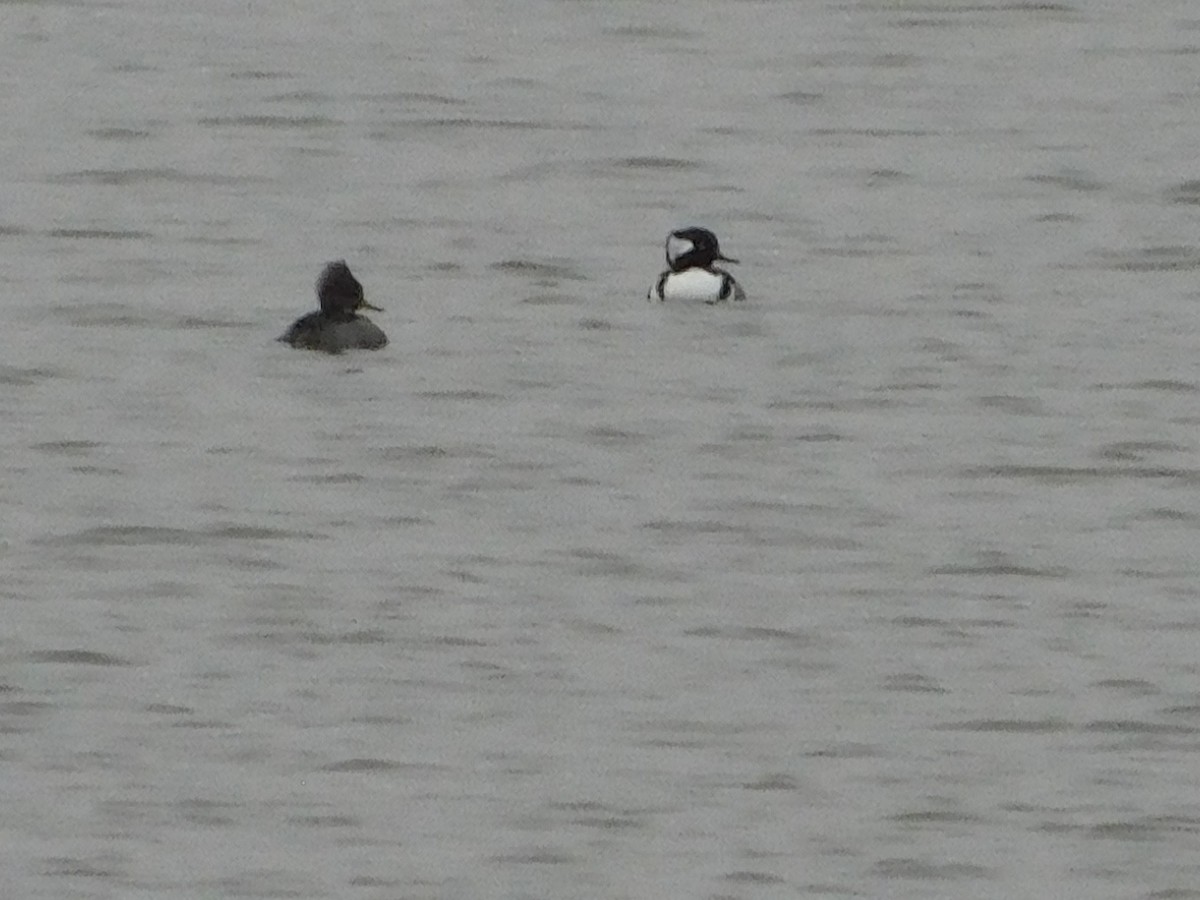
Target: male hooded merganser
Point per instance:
(691, 275)
(338, 326)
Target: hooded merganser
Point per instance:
(691, 274)
(337, 326)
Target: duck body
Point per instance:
(711, 285)
(691, 273)
(337, 326)
(318, 331)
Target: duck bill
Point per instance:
(723, 258)
(366, 305)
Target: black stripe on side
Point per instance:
(660, 286)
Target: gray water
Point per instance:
(882, 584)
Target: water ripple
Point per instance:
(129, 177)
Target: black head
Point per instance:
(688, 247)
(339, 291)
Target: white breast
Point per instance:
(693, 284)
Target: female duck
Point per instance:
(690, 273)
(337, 326)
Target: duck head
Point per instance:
(339, 292)
(691, 247)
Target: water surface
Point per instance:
(882, 584)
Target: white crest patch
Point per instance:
(677, 247)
